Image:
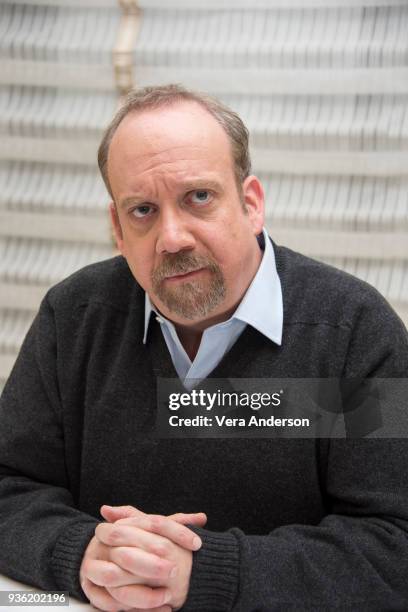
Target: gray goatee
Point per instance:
(191, 299)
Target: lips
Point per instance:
(184, 275)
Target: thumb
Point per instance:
(114, 513)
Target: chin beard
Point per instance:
(192, 299)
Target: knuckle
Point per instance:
(183, 535)
(85, 567)
(102, 603)
(160, 567)
(100, 533)
(112, 604)
(156, 521)
(152, 599)
(108, 607)
(85, 586)
(99, 530)
(126, 557)
(109, 575)
(92, 548)
(123, 594)
(113, 536)
(159, 550)
(122, 556)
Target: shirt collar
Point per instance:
(261, 307)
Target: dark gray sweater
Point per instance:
(293, 524)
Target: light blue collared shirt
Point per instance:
(261, 307)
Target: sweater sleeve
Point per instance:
(42, 535)
(356, 558)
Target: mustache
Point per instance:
(182, 263)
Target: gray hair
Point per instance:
(148, 98)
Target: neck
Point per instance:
(190, 339)
(190, 335)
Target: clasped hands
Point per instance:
(137, 561)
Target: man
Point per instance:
(199, 291)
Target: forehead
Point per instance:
(169, 136)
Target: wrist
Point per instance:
(180, 584)
(214, 577)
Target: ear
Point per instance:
(116, 228)
(254, 202)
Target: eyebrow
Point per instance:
(191, 185)
(134, 199)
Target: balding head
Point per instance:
(150, 98)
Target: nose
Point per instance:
(174, 234)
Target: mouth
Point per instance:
(184, 277)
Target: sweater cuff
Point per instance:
(67, 556)
(215, 573)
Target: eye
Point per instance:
(142, 211)
(200, 196)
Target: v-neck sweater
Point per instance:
(293, 524)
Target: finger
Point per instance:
(121, 534)
(198, 518)
(113, 513)
(143, 564)
(159, 609)
(166, 527)
(140, 596)
(112, 536)
(101, 598)
(106, 573)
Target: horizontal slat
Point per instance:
(81, 35)
(71, 228)
(289, 162)
(321, 39)
(44, 262)
(328, 243)
(259, 4)
(21, 297)
(6, 363)
(48, 112)
(389, 277)
(238, 81)
(59, 188)
(346, 203)
(339, 202)
(269, 82)
(13, 328)
(331, 163)
(401, 307)
(355, 123)
(216, 4)
(49, 150)
(98, 77)
(63, 3)
(402, 311)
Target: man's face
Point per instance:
(187, 233)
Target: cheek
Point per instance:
(141, 263)
(236, 252)
(141, 274)
(230, 261)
